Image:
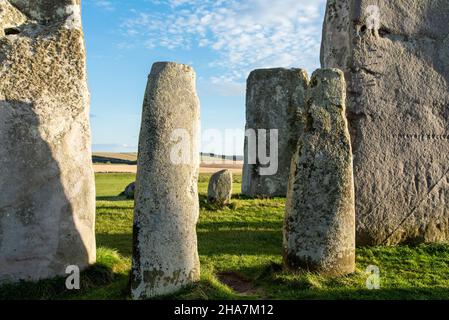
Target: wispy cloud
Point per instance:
(245, 35)
(104, 4)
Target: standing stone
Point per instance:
(274, 100)
(165, 256)
(319, 230)
(396, 58)
(220, 188)
(47, 191)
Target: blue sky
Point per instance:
(222, 40)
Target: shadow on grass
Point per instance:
(264, 242)
(214, 242)
(240, 196)
(113, 198)
(237, 226)
(364, 294)
(121, 242)
(269, 285)
(206, 205)
(271, 282)
(104, 209)
(99, 277)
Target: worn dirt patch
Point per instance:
(237, 282)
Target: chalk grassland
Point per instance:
(240, 252)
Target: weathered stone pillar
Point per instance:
(274, 101)
(165, 256)
(395, 55)
(319, 229)
(47, 191)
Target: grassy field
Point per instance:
(240, 252)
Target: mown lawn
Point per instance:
(241, 245)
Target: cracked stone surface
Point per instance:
(274, 100)
(398, 110)
(47, 190)
(319, 228)
(165, 254)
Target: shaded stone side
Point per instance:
(335, 44)
(274, 100)
(219, 190)
(398, 102)
(47, 190)
(319, 228)
(165, 256)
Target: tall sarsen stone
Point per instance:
(395, 55)
(165, 256)
(47, 192)
(319, 228)
(274, 101)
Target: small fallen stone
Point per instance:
(220, 188)
(130, 190)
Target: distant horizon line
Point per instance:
(201, 153)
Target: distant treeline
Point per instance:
(107, 160)
(223, 157)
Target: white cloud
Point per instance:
(245, 35)
(104, 4)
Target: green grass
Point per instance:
(244, 238)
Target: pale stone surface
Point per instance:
(10, 17)
(165, 256)
(220, 187)
(49, 11)
(47, 190)
(274, 100)
(319, 229)
(398, 102)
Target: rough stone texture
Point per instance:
(47, 195)
(319, 229)
(165, 256)
(220, 188)
(398, 109)
(274, 100)
(10, 17)
(130, 190)
(335, 44)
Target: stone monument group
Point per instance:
(362, 145)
